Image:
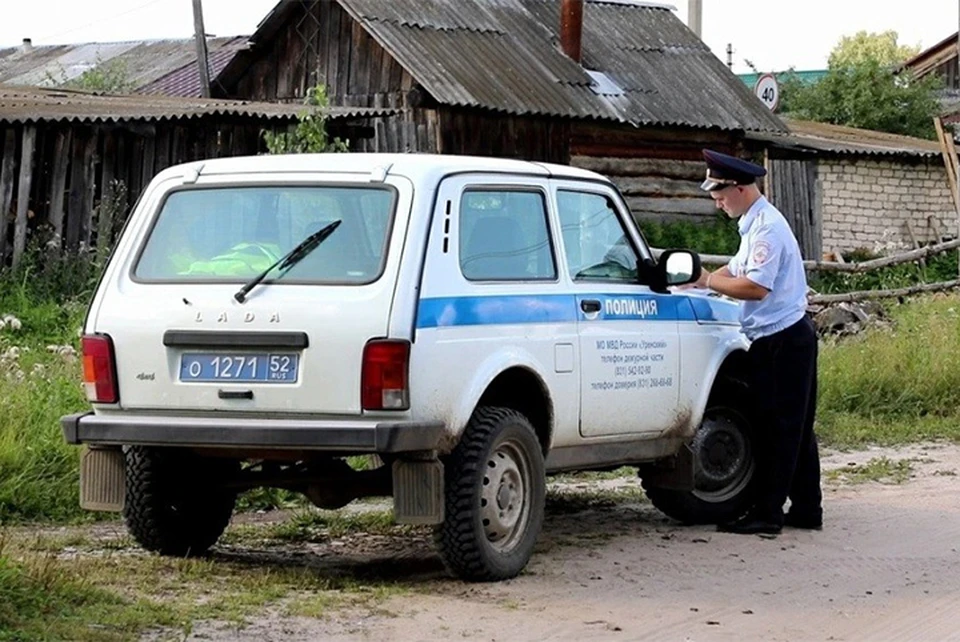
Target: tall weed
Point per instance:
(42, 305)
(38, 470)
(909, 371)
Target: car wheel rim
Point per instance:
(505, 496)
(724, 457)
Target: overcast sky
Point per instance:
(773, 34)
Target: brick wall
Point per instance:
(866, 203)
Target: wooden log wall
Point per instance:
(53, 176)
(658, 169)
(661, 190)
(485, 133)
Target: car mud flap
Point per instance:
(674, 473)
(418, 491)
(102, 479)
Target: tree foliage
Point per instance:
(862, 88)
(110, 77)
(310, 135)
(863, 47)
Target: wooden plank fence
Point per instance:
(54, 176)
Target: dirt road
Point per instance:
(886, 567)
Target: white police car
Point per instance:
(478, 323)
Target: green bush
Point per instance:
(718, 237)
(942, 267)
(310, 135)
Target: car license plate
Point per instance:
(242, 368)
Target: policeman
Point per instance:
(767, 276)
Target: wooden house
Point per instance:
(618, 86)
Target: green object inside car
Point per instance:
(243, 259)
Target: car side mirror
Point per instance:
(678, 267)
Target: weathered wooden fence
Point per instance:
(53, 175)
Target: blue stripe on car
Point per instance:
(496, 310)
(566, 308)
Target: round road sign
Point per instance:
(768, 90)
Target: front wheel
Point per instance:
(495, 489)
(724, 471)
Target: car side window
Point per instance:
(596, 243)
(504, 236)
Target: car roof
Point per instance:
(416, 167)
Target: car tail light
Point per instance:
(99, 369)
(384, 376)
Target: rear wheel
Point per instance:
(724, 467)
(495, 489)
(175, 503)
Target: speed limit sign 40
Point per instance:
(768, 90)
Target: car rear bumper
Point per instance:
(353, 436)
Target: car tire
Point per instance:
(174, 505)
(724, 457)
(495, 489)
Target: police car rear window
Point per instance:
(232, 234)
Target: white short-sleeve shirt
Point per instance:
(770, 257)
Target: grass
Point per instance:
(38, 470)
(879, 469)
(112, 591)
(41, 598)
(313, 525)
(894, 386)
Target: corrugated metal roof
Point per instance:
(503, 55)
(185, 81)
(145, 64)
(837, 139)
(32, 104)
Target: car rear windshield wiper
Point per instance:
(290, 259)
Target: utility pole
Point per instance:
(695, 17)
(730, 55)
(201, 36)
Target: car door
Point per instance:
(492, 297)
(628, 335)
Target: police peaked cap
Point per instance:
(724, 170)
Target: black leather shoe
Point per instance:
(751, 525)
(804, 521)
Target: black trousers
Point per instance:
(784, 386)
